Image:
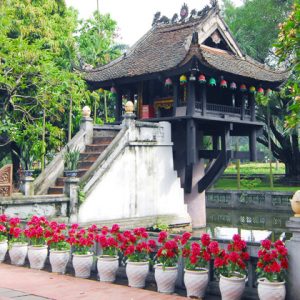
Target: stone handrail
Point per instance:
(124, 138)
(56, 167)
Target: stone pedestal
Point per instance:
(88, 126)
(293, 246)
(71, 190)
(27, 186)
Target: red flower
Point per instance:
(214, 248)
(185, 237)
(162, 236)
(115, 228)
(205, 239)
(266, 244)
(234, 257)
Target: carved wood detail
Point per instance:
(6, 181)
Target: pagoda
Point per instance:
(190, 71)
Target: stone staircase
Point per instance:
(101, 139)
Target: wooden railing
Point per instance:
(221, 108)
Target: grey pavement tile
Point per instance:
(30, 297)
(11, 293)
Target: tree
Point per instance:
(37, 48)
(285, 147)
(255, 24)
(288, 51)
(96, 40)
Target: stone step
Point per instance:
(55, 190)
(81, 172)
(102, 140)
(85, 164)
(60, 181)
(89, 156)
(105, 133)
(95, 148)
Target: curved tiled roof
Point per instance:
(164, 48)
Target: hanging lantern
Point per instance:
(168, 82)
(260, 90)
(243, 88)
(113, 90)
(223, 83)
(202, 79)
(101, 91)
(212, 82)
(269, 92)
(233, 86)
(183, 80)
(252, 89)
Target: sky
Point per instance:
(134, 17)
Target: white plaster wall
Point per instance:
(140, 182)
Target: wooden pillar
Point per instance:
(243, 107)
(252, 107)
(203, 98)
(191, 142)
(175, 95)
(191, 97)
(252, 145)
(225, 140)
(215, 141)
(118, 111)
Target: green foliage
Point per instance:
(250, 183)
(255, 24)
(96, 40)
(254, 168)
(288, 51)
(71, 158)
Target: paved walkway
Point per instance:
(22, 283)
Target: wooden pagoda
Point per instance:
(190, 72)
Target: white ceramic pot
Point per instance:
(3, 250)
(107, 267)
(232, 288)
(37, 256)
(18, 253)
(271, 290)
(59, 260)
(136, 273)
(82, 264)
(165, 279)
(195, 282)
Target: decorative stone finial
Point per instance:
(86, 112)
(129, 107)
(295, 203)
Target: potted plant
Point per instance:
(3, 237)
(38, 250)
(137, 251)
(108, 261)
(59, 247)
(271, 269)
(231, 266)
(71, 159)
(166, 267)
(82, 240)
(27, 159)
(196, 258)
(18, 245)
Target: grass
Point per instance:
(231, 184)
(255, 168)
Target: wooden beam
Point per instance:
(252, 145)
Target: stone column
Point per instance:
(28, 188)
(293, 246)
(87, 124)
(71, 190)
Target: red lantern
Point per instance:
(260, 90)
(243, 88)
(223, 83)
(202, 79)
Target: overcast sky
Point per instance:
(134, 17)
